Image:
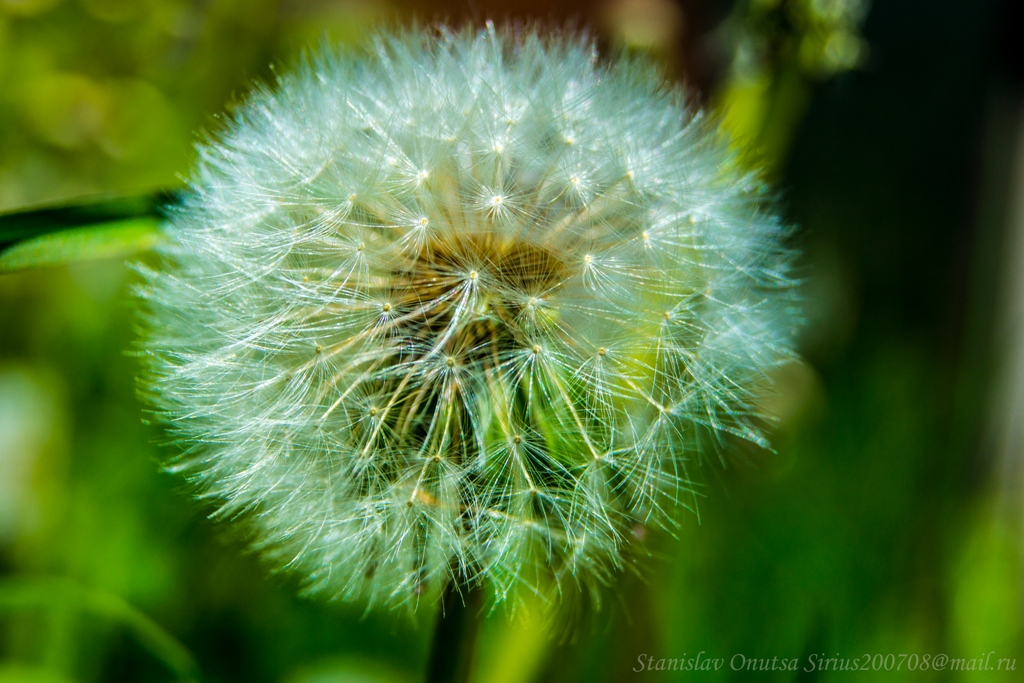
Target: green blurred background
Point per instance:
(888, 520)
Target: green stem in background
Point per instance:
(61, 594)
(455, 636)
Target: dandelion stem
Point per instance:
(458, 622)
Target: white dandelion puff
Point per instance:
(460, 307)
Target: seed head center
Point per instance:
(482, 318)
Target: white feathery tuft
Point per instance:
(458, 308)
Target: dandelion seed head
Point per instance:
(517, 344)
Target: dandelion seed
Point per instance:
(462, 413)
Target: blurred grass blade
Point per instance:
(109, 226)
(115, 239)
(33, 221)
(35, 593)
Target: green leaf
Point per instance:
(115, 239)
(33, 221)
